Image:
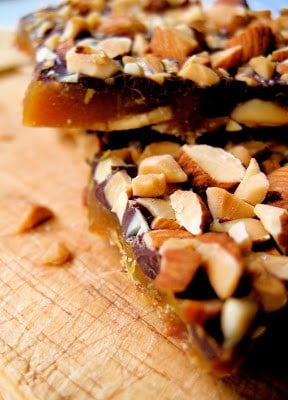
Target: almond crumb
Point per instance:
(56, 254)
(34, 215)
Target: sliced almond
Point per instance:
(224, 206)
(177, 269)
(223, 261)
(254, 186)
(275, 221)
(256, 113)
(204, 164)
(163, 164)
(190, 210)
(155, 239)
(236, 319)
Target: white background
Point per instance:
(12, 10)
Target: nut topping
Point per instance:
(204, 163)
(222, 260)
(236, 319)
(225, 206)
(190, 210)
(91, 62)
(163, 164)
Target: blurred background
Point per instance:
(11, 10)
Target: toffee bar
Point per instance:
(175, 66)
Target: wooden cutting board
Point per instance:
(83, 330)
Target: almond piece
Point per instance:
(118, 24)
(91, 62)
(204, 165)
(73, 27)
(239, 233)
(104, 167)
(149, 185)
(177, 269)
(272, 292)
(160, 148)
(278, 182)
(158, 207)
(223, 261)
(254, 227)
(57, 254)
(199, 311)
(274, 264)
(255, 40)
(228, 58)
(275, 221)
(172, 43)
(155, 239)
(198, 73)
(117, 192)
(224, 206)
(190, 210)
(115, 47)
(256, 113)
(242, 153)
(236, 318)
(280, 54)
(163, 164)
(262, 66)
(164, 223)
(254, 186)
(33, 216)
(137, 224)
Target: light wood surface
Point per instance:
(83, 330)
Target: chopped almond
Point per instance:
(190, 210)
(177, 269)
(224, 206)
(172, 43)
(275, 221)
(223, 261)
(163, 164)
(204, 164)
(254, 185)
(155, 239)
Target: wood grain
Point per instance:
(83, 330)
